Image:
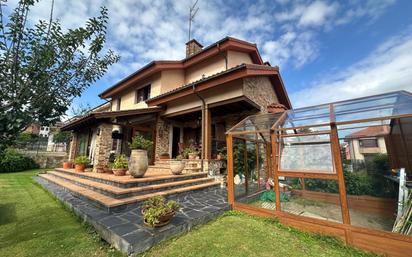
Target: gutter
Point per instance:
(203, 124)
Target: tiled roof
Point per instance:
(370, 132)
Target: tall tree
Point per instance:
(43, 66)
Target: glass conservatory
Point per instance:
(334, 167)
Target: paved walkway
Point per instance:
(125, 229)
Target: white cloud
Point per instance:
(388, 68)
(317, 13)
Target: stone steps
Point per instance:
(102, 190)
(119, 192)
(128, 181)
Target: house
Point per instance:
(175, 102)
(366, 143)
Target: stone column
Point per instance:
(103, 145)
(73, 146)
(162, 137)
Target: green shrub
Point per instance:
(13, 161)
(156, 207)
(139, 142)
(120, 162)
(81, 160)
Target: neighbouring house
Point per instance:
(177, 102)
(366, 143)
(33, 129)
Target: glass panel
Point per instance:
(257, 122)
(306, 153)
(370, 191)
(314, 198)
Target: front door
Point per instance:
(175, 142)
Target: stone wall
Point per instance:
(162, 137)
(73, 146)
(47, 159)
(103, 145)
(260, 90)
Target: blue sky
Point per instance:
(326, 50)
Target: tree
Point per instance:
(44, 67)
(62, 137)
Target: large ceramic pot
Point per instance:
(176, 167)
(138, 163)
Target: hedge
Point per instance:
(13, 161)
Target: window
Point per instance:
(119, 101)
(368, 142)
(142, 94)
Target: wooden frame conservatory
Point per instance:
(267, 151)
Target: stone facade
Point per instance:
(103, 145)
(260, 90)
(73, 146)
(162, 137)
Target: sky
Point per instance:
(326, 50)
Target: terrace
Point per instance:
(292, 165)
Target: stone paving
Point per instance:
(125, 229)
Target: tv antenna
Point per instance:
(192, 12)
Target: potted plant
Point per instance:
(138, 162)
(177, 166)
(100, 168)
(191, 152)
(80, 163)
(108, 168)
(158, 212)
(67, 165)
(120, 165)
(164, 156)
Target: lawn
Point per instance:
(33, 223)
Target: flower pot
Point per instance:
(192, 156)
(138, 163)
(163, 220)
(67, 165)
(164, 156)
(108, 170)
(100, 169)
(176, 167)
(79, 167)
(119, 172)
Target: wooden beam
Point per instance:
(311, 174)
(273, 139)
(257, 164)
(208, 134)
(230, 182)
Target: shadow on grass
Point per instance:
(7, 213)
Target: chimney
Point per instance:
(192, 47)
(276, 108)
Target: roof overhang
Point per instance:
(95, 117)
(238, 72)
(154, 67)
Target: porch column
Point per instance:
(207, 132)
(73, 146)
(103, 145)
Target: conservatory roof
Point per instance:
(376, 110)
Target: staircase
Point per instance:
(114, 193)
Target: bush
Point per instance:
(139, 142)
(120, 162)
(13, 161)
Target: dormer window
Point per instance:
(142, 94)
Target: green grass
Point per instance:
(33, 223)
(237, 234)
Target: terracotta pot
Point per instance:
(67, 165)
(119, 172)
(79, 167)
(192, 156)
(176, 167)
(163, 220)
(108, 170)
(138, 163)
(165, 156)
(100, 170)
